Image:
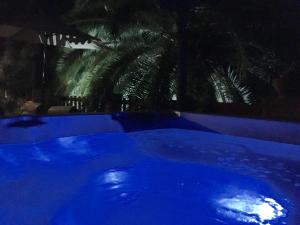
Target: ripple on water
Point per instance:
(39, 155)
(8, 158)
(287, 180)
(119, 185)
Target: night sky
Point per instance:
(282, 14)
(250, 19)
(11, 9)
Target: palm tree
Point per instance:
(139, 62)
(228, 87)
(141, 59)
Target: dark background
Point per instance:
(274, 24)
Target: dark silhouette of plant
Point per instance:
(149, 43)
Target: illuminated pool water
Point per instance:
(154, 177)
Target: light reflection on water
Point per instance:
(75, 145)
(118, 185)
(250, 208)
(113, 179)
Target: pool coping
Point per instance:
(64, 125)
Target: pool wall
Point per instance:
(286, 132)
(27, 129)
(24, 129)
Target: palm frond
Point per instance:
(228, 87)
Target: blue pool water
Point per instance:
(154, 177)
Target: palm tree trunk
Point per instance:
(182, 13)
(43, 94)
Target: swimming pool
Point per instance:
(130, 172)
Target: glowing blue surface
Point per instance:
(155, 177)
